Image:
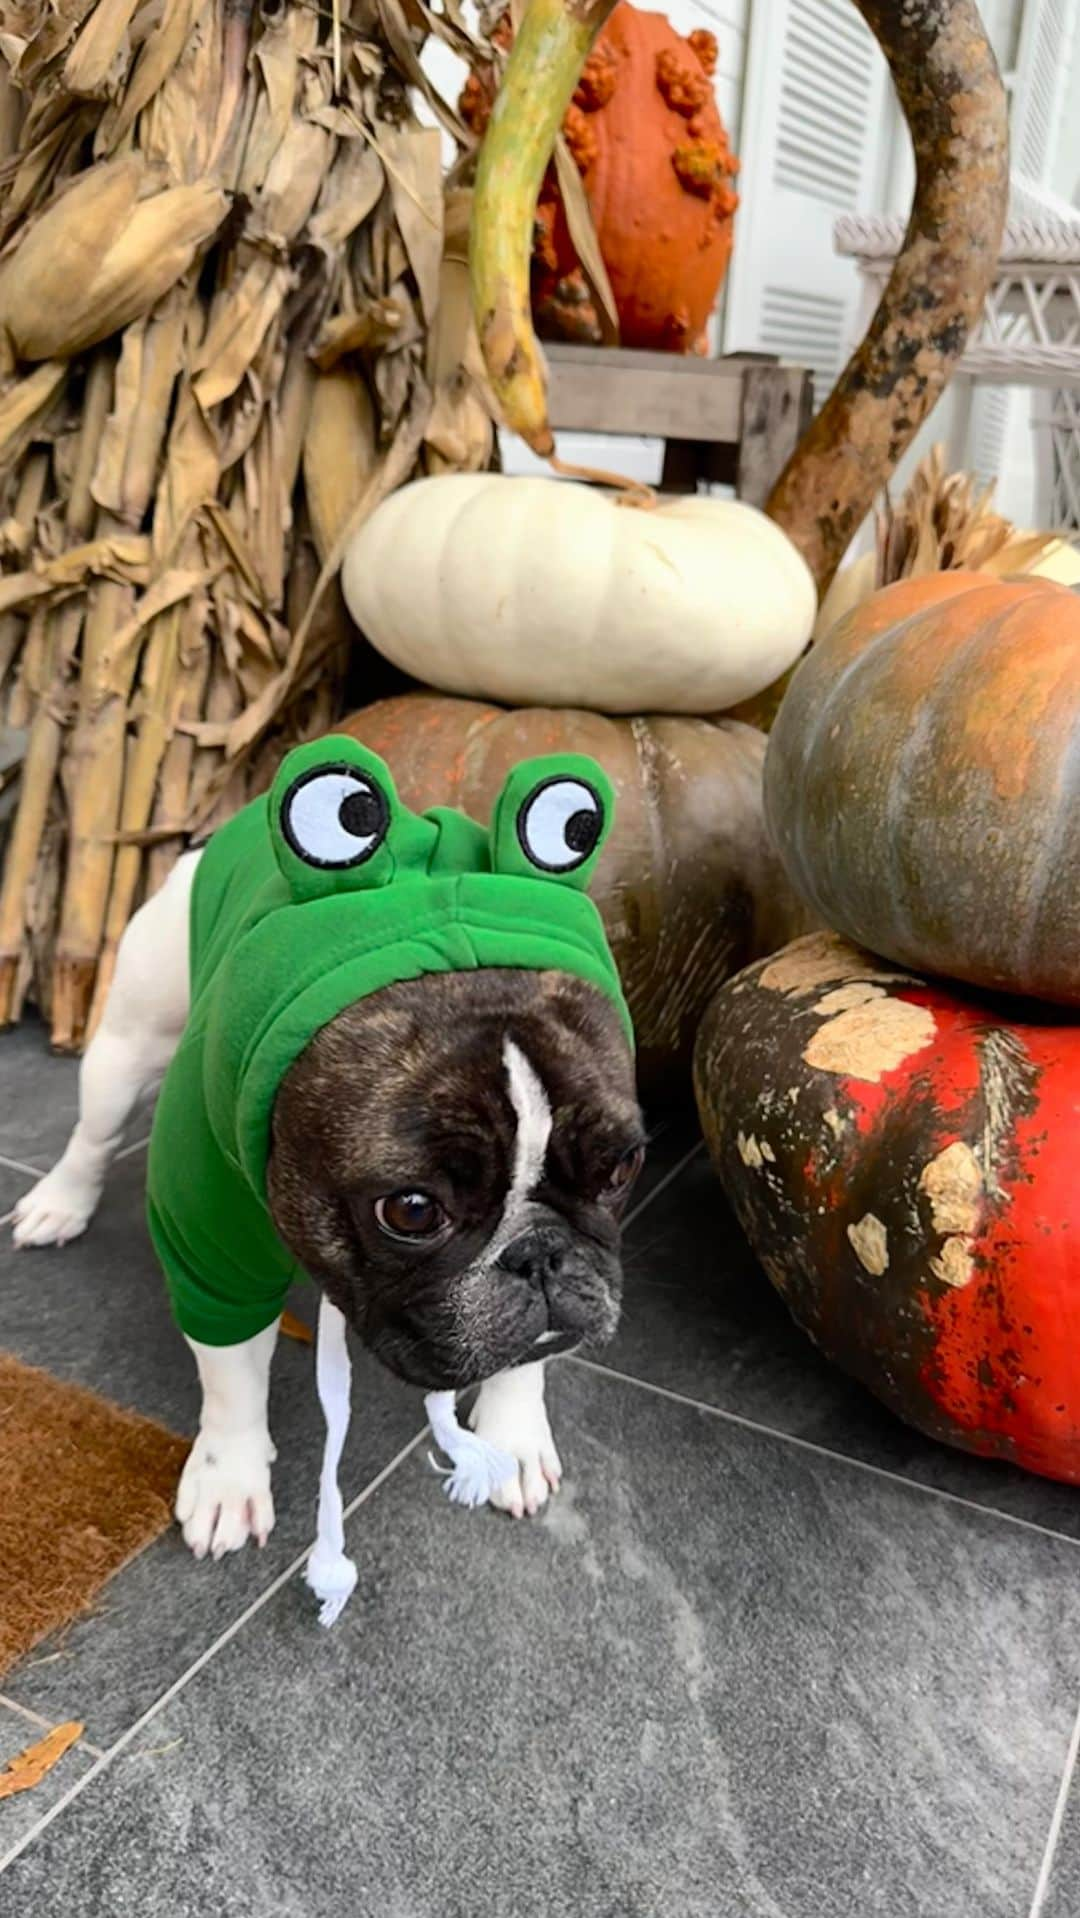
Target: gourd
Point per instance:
(687, 883)
(644, 132)
(921, 783)
(525, 591)
(902, 1159)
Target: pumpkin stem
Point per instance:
(550, 48)
(631, 492)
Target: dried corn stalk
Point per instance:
(233, 315)
(943, 523)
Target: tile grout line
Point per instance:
(120, 1744)
(1056, 1822)
(45, 1724)
(129, 1151)
(662, 1185)
(20, 1165)
(820, 1451)
(39, 1171)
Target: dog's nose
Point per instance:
(537, 1257)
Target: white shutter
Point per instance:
(989, 427)
(1042, 62)
(1011, 440)
(811, 147)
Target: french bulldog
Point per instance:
(449, 1159)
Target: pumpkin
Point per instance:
(523, 590)
(853, 585)
(921, 781)
(645, 134)
(687, 884)
(902, 1159)
(944, 522)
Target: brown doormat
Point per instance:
(83, 1487)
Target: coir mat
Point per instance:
(84, 1486)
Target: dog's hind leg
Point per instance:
(139, 1031)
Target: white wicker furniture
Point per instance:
(1029, 334)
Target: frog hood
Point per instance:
(344, 891)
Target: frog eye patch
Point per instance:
(559, 824)
(334, 817)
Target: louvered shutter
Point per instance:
(812, 148)
(1046, 31)
(1003, 445)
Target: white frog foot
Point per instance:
(58, 1208)
(224, 1495)
(522, 1430)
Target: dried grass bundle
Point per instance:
(232, 318)
(942, 523)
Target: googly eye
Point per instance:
(559, 824)
(333, 816)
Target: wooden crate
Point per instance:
(736, 419)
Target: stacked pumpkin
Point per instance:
(560, 616)
(901, 1149)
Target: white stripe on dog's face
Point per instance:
(533, 1111)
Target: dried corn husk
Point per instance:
(941, 523)
(222, 341)
(460, 433)
(100, 256)
(339, 452)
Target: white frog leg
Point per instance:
(510, 1412)
(140, 1028)
(224, 1495)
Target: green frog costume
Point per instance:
(312, 897)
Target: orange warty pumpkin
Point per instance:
(651, 149)
(922, 783)
(688, 885)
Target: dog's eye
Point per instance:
(559, 824)
(334, 816)
(626, 1171)
(413, 1216)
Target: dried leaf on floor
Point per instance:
(30, 1766)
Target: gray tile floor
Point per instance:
(769, 1655)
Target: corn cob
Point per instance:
(233, 243)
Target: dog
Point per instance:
(449, 1158)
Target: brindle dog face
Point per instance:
(450, 1161)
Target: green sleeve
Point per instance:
(226, 1269)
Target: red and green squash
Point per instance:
(902, 1157)
(922, 783)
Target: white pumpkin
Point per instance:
(537, 592)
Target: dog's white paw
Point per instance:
(58, 1208)
(224, 1495)
(521, 1429)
